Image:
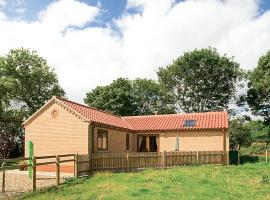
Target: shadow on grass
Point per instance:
(249, 159)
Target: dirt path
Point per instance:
(18, 182)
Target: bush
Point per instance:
(23, 166)
(266, 179)
(255, 149)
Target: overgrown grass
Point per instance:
(249, 181)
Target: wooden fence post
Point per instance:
(103, 159)
(164, 159)
(238, 158)
(127, 162)
(3, 181)
(266, 156)
(34, 178)
(197, 157)
(225, 158)
(57, 170)
(76, 165)
(90, 164)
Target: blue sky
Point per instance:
(29, 9)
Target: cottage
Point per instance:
(62, 126)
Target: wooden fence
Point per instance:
(88, 163)
(134, 161)
(10, 164)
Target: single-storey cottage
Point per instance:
(62, 126)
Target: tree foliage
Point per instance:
(28, 79)
(26, 83)
(11, 133)
(125, 97)
(240, 134)
(201, 80)
(259, 131)
(116, 97)
(151, 97)
(258, 94)
(244, 132)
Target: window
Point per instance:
(188, 123)
(102, 139)
(127, 141)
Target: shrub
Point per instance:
(23, 166)
(256, 149)
(266, 179)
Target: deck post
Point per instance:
(76, 165)
(127, 162)
(57, 170)
(34, 178)
(164, 159)
(89, 164)
(3, 181)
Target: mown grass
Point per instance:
(249, 181)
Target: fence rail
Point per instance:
(134, 161)
(88, 163)
(9, 164)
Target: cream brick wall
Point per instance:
(61, 135)
(116, 141)
(68, 134)
(194, 141)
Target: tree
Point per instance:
(259, 131)
(258, 94)
(201, 80)
(125, 97)
(152, 97)
(28, 79)
(116, 97)
(11, 133)
(240, 134)
(26, 83)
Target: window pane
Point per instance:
(99, 142)
(104, 141)
(127, 141)
(189, 123)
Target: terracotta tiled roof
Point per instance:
(95, 115)
(208, 120)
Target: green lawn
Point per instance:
(249, 181)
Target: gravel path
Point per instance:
(18, 182)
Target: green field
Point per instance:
(249, 181)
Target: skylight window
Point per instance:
(189, 123)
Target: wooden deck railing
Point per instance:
(88, 163)
(135, 161)
(9, 164)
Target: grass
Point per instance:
(249, 181)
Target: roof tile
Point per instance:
(207, 120)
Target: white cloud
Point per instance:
(64, 13)
(3, 16)
(160, 32)
(3, 2)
